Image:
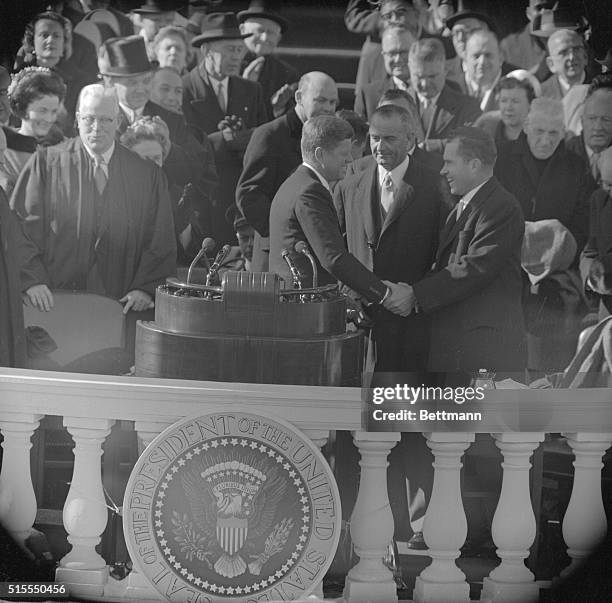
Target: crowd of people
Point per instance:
(462, 201)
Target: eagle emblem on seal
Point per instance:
(233, 506)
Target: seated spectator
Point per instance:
(596, 261)
(171, 48)
(396, 43)
(98, 214)
(167, 90)
(567, 60)
(36, 95)
(596, 134)
(441, 109)
(549, 182)
(277, 77)
(514, 97)
(149, 137)
(47, 42)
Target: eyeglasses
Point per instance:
(89, 120)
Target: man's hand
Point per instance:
(281, 97)
(39, 296)
(137, 300)
(253, 70)
(401, 300)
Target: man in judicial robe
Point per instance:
(99, 215)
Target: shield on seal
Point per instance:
(232, 533)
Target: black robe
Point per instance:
(110, 245)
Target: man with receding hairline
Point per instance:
(567, 59)
(274, 152)
(99, 215)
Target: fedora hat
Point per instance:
(124, 57)
(471, 14)
(549, 21)
(260, 9)
(219, 26)
(155, 7)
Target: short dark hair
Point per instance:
(600, 82)
(513, 83)
(33, 83)
(325, 131)
(359, 125)
(387, 111)
(475, 143)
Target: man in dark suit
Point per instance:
(473, 293)
(274, 152)
(303, 210)
(396, 43)
(398, 243)
(215, 96)
(596, 134)
(260, 63)
(441, 108)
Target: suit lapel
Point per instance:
(453, 226)
(370, 200)
(404, 197)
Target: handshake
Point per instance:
(401, 299)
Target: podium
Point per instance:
(250, 330)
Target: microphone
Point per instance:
(214, 268)
(301, 247)
(208, 244)
(295, 273)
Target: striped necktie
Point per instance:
(387, 194)
(221, 96)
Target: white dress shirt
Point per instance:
(462, 203)
(223, 84)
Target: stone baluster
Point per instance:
(85, 514)
(319, 438)
(17, 500)
(137, 587)
(514, 524)
(372, 523)
(584, 524)
(445, 526)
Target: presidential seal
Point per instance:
(232, 506)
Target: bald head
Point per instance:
(567, 56)
(316, 95)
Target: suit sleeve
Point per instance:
(318, 220)
(158, 258)
(493, 245)
(257, 184)
(28, 202)
(579, 224)
(339, 196)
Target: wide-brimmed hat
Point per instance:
(219, 26)
(260, 9)
(124, 57)
(471, 14)
(155, 7)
